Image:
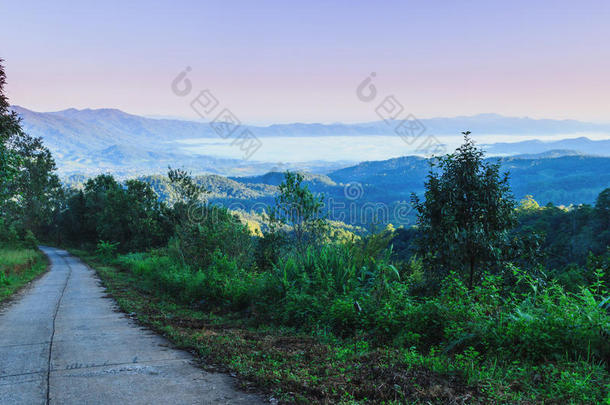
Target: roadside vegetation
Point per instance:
(18, 266)
(484, 300)
(28, 192)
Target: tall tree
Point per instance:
(9, 126)
(297, 207)
(466, 214)
(29, 188)
(36, 185)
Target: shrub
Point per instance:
(215, 228)
(30, 240)
(106, 250)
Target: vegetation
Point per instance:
(562, 180)
(18, 266)
(466, 215)
(485, 301)
(29, 191)
(508, 332)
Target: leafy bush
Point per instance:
(30, 240)
(106, 250)
(222, 283)
(210, 229)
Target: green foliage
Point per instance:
(566, 236)
(487, 319)
(106, 250)
(183, 188)
(29, 188)
(221, 283)
(467, 213)
(18, 265)
(297, 207)
(128, 214)
(212, 228)
(8, 232)
(30, 240)
(528, 203)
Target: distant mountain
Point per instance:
(553, 153)
(565, 179)
(109, 140)
(575, 145)
(110, 125)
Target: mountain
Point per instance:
(581, 145)
(384, 188)
(91, 141)
(108, 126)
(565, 179)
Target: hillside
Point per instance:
(575, 145)
(574, 179)
(559, 177)
(109, 140)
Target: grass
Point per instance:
(297, 367)
(289, 366)
(19, 266)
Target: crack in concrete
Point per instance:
(61, 296)
(115, 361)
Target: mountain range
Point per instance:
(91, 141)
(385, 187)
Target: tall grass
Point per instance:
(492, 334)
(332, 288)
(18, 266)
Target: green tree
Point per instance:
(201, 229)
(297, 207)
(29, 189)
(37, 186)
(9, 161)
(148, 221)
(602, 205)
(185, 196)
(466, 215)
(129, 214)
(528, 203)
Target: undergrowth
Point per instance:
(331, 329)
(18, 266)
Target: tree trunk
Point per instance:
(472, 263)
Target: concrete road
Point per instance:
(62, 342)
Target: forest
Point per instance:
(485, 299)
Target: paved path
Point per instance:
(62, 342)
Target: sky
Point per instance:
(286, 61)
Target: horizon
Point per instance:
(199, 120)
(276, 63)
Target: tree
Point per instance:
(297, 207)
(29, 189)
(528, 203)
(201, 229)
(129, 214)
(602, 205)
(185, 196)
(183, 188)
(36, 185)
(9, 126)
(466, 215)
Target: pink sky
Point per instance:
(274, 61)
